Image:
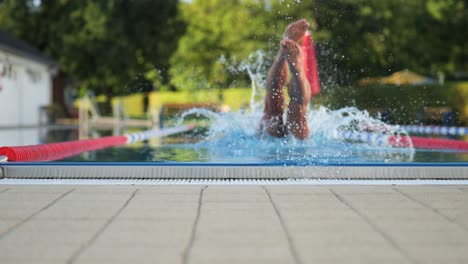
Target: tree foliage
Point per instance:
(123, 46)
(231, 29)
(379, 37)
(104, 45)
(355, 38)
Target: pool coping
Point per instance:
(148, 170)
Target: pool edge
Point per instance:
(232, 172)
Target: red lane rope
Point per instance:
(60, 150)
(437, 143)
(310, 63)
(429, 143)
(403, 141)
(56, 151)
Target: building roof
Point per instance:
(11, 44)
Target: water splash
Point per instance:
(256, 67)
(235, 137)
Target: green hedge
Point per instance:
(235, 98)
(401, 103)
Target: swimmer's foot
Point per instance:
(298, 87)
(292, 53)
(295, 31)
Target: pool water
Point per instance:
(234, 138)
(298, 156)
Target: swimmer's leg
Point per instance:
(299, 92)
(272, 119)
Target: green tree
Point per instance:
(215, 28)
(355, 38)
(232, 29)
(449, 31)
(374, 38)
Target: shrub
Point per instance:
(403, 104)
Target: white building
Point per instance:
(25, 82)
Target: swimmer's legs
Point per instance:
(277, 77)
(298, 91)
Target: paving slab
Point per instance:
(233, 224)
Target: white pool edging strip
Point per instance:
(233, 172)
(226, 182)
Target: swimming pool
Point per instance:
(231, 147)
(347, 153)
(192, 156)
(234, 138)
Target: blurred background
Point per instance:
(134, 64)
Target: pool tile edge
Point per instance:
(232, 172)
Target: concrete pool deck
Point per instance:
(233, 224)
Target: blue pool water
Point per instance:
(347, 153)
(234, 138)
